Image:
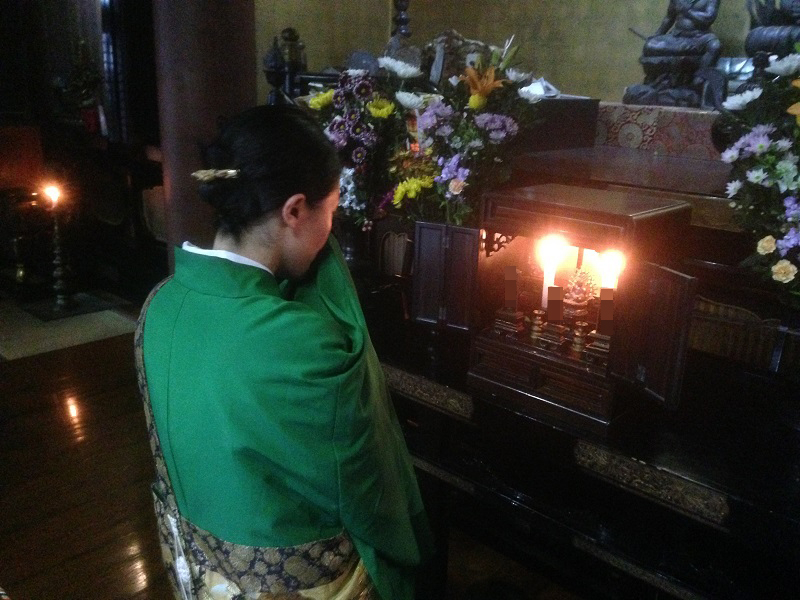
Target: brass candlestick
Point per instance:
(537, 323)
(59, 272)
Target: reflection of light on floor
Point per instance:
(138, 568)
(74, 412)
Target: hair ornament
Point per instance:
(206, 175)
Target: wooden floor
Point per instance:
(76, 519)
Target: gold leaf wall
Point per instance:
(583, 47)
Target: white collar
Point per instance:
(231, 256)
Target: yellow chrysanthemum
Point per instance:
(796, 83)
(322, 100)
(380, 108)
(410, 188)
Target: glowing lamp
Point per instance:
(53, 193)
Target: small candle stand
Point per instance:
(62, 300)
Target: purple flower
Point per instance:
(339, 98)
(387, 198)
(792, 208)
(368, 137)
(359, 155)
(337, 138)
(789, 241)
(497, 126)
(758, 144)
(436, 114)
(763, 129)
(451, 169)
(351, 115)
(444, 131)
(442, 110)
(362, 88)
(338, 124)
(337, 132)
(357, 128)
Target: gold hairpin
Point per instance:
(206, 175)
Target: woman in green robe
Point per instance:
(283, 472)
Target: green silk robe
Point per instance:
(274, 417)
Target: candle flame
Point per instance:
(551, 250)
(53, 193)
(611, 264)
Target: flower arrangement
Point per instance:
(363, 123)
(426, 154)
(765, 179)
(464, 136)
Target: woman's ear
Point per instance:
(294, 209)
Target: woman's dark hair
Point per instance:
(278, 151)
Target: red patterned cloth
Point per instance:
(673, 131)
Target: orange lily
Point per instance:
(482, 84)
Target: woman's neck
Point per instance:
(251, 244)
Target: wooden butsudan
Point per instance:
(444, 275)
(570, 379)
(575, 371)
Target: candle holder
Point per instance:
(508, 320)
(596, 351)
(59, 270)
(579, 339)
(537, 323)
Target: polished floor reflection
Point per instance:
(76, 519)
(75, 512)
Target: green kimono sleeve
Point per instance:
(379, 500)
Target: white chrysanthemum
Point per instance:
(783, 144)
(533, 92)
(356, 72)
(454, 80)
(788, 65)
(739, 101)
(756, 176)
(517, 76)
(402, 69)
(348, 199)
(730, 155)
(733, 188)
(409, 101)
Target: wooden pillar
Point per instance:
(207, 68)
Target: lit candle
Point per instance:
(53, 193)
(555, 304)
(611, 264)
(551, 250)
(605, 321)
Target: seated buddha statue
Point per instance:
(777, 27)
(678, 57)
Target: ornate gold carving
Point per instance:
(424, 390)
(671, 490)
